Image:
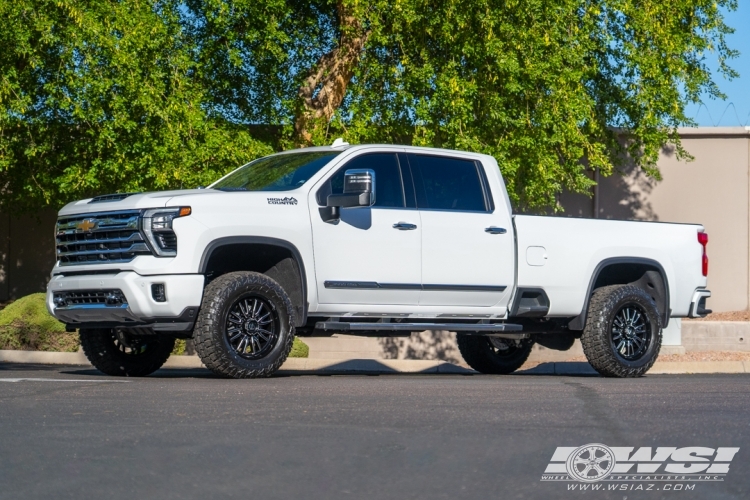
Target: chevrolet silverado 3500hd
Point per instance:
(370, 240)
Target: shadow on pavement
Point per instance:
(362, 367)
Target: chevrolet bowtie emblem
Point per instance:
(86, 225)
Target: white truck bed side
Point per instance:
(562, 254)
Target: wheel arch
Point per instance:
(647, 274)
(278, 259)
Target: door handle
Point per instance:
(495, 230)
(404, 226)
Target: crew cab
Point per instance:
(366, 240)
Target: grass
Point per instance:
(27, 326)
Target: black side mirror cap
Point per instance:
(349, 200)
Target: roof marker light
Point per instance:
(339, 143)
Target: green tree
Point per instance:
(539, 84)
(140, 94)
(100, 96)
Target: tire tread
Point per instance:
(206, 344)
(595, 338)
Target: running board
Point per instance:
(478, 328)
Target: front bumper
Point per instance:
(698, 304)
(183, 298)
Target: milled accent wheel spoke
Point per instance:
(630, 332)
(251, 327)
(265, 319)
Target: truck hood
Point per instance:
(156, 199)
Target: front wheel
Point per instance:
(622, 336)
(115, 352)
(493, 355)
(245, 328)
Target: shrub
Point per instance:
(299, 349)
(26, 325)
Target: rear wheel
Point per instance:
(115, 352)
(622, 336)
(493, 355)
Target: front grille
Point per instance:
(99, 238)
(89, 297)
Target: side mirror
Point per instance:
(359, 191)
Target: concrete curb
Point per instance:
(299, 366)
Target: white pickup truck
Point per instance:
(366, 240)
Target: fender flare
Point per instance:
(579, 321)
(260, 240)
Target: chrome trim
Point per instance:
(138, 247)
(99, 238)
(103, 223)
(132, 237)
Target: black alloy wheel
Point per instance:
(117, 352)
(631, 332)
(245, 328)
(251, 328)
(493, 355)
(622, 335)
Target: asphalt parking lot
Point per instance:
(70, 432)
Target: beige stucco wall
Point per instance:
(711, 190)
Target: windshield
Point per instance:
(276, 173)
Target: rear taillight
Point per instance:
(703, 240)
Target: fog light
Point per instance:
(113, 298)
(158, 292)
(59, 300)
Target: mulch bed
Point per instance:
(724, 316)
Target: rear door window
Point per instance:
(444, 183)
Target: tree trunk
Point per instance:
(323, 91)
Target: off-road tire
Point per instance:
(210, 341)
(596, 339)
(102, 350)
(479, 353)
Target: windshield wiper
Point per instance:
(231, 189)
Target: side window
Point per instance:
(447, 183)
(389, 189)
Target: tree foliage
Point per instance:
(101, 96)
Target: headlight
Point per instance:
(157, 226)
